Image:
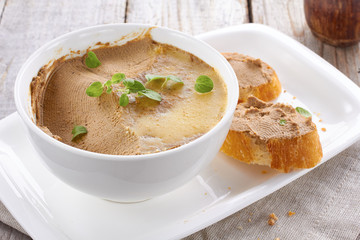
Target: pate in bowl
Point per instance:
(149, 122)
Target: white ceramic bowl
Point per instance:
(124, 178)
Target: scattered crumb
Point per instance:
(271, 222)
(229, 188)
(239, 227)
(272, 219)
(284, 91)
(264, 172)
(290, 213)
(249, 220)
(320, 120)
(251, 214)
(273, 216)
(323, 129)
(318, 114)
(294, 97)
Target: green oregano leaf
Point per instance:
(203, 84)
(150, 94)
(136, 87)
(78, 130)
(151, 77)
(128, 82)
(124, 100)
(95, 89)
(108, 86)
(282, 122)
(108, 83)
(174, 78)
(117, 78)
(303, 112)
(91, 60)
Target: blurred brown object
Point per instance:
(336, 22)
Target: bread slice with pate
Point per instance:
(274, 135)
(255, 77)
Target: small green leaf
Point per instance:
(117, 78)
(204, 84)
(108, 83)
(78, 130)
(303, 112)
(282, 122)
(95, 89)
(128, 82)
(174, 78)
(91, 60)
(108, 90)
(124, 100)
(150, 77)
(108, 86)
(137, 86)
(150, 94)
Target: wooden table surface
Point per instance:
(25, 25)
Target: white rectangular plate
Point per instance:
(49, 209)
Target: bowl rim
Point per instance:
(109, 157)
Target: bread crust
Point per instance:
(266, 92)
(283, 155)
(286, 149)
(269, 90)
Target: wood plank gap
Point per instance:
(250, 13)
(2, 10)
(126, 10)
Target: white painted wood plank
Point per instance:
(26, 25)
(190, 16)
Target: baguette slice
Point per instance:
(273, 135)
(255, 77)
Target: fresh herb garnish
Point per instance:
(204, 84)
(95, 89)
(303, 112)
(124, 100)
(151, 77)
(108, 86)
(91, 60)
(150, 94)
(134, 86)
(130, 86)
(282, 122)
(78, 130)
(117, 78)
